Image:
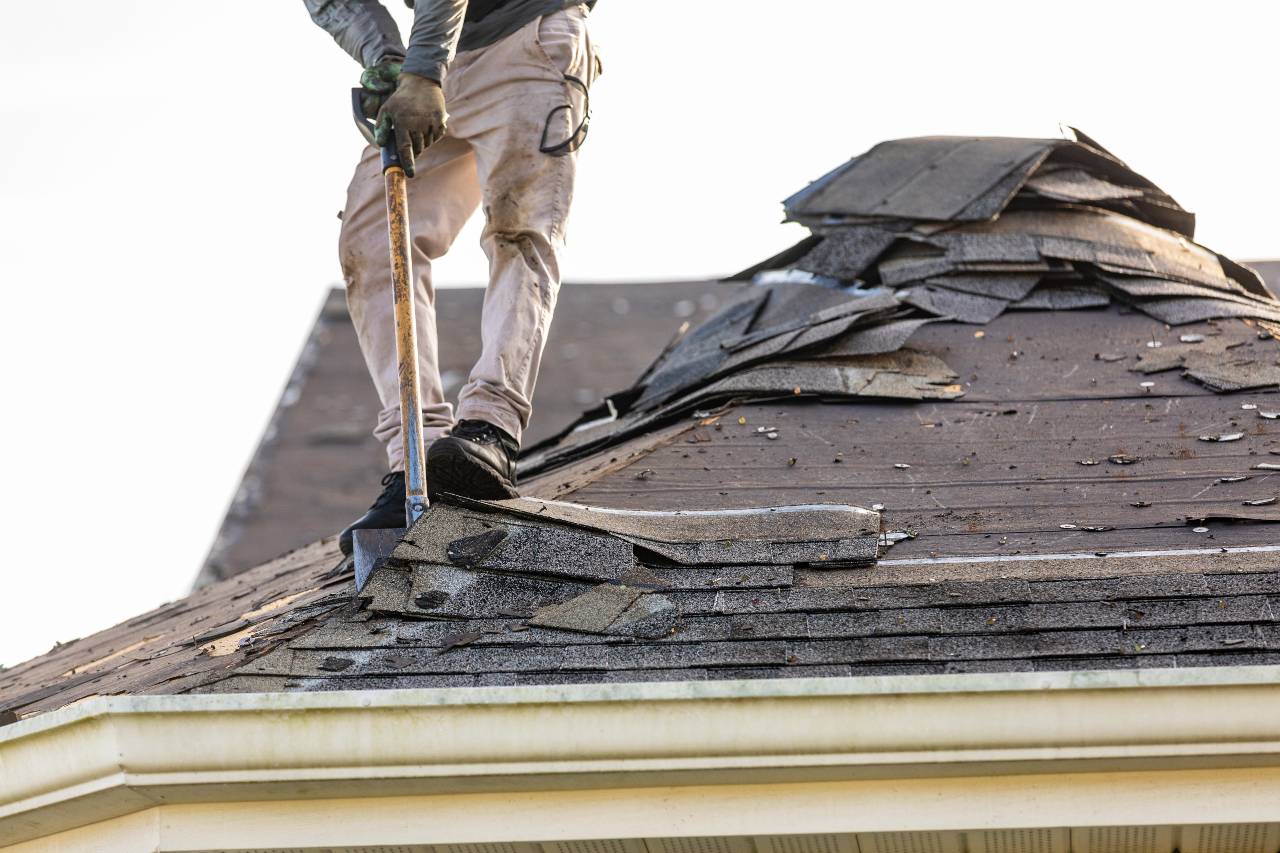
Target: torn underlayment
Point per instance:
(938, 229)
(578, 568)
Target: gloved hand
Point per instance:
(416, 111)
(378, 82)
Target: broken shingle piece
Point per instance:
(846, 252)
(965, 307)
(885, 338)
(1223, 375)
(450, 592)
(1068, 298)
(1178, 311)
(962, 247)
(470, 550)
(1007, 286)
(933, 178)
(763, 535)
(528, 547)
(1077, 185)
(591, 612)
(1145, 286)
(649, 617)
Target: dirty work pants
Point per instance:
(504, 103)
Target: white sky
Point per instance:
(170, 174)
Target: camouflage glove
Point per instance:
(378, 82)
(416, 110)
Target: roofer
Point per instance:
(513, 75)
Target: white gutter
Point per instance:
(859, 737)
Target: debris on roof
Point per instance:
(579, 568)
(959, 229)
(973, 179)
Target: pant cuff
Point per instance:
(498, 415)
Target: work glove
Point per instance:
(416, 111)
(378, 82)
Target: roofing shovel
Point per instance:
(373, 546)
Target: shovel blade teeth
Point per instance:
(372, 547)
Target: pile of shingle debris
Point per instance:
(563, 566)
(935, 229)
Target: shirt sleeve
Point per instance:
(363, 28)
(434, 38)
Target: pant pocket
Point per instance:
(564, 44)
(561, 37)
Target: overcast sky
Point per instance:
(170, 175)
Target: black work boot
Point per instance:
(387, 511)
(477, 461)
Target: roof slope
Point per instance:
(1065, 483)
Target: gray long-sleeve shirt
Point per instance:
(366, 30)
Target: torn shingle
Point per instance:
(1006, 286)
(781, 525)
(1177, 312)
(955, 304)
(1078, 185)
(1225, 375)
(1063, 298)
(451, 592)
(933, 178)
(591, 612)
(648, 617)
(471, 550)
(846, 252)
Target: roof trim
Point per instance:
(109, 757)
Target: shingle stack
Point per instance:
(966, 228)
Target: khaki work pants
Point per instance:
(505, 101)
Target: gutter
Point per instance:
(108, 757)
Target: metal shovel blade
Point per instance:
(372, 547)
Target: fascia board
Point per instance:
(114, 755)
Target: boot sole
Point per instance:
(451, 470)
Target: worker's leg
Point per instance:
(442, 196)
(511, 101)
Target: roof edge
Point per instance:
(114, 756)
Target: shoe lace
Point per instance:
(484, 432)
(392, 490)
(474, 429)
